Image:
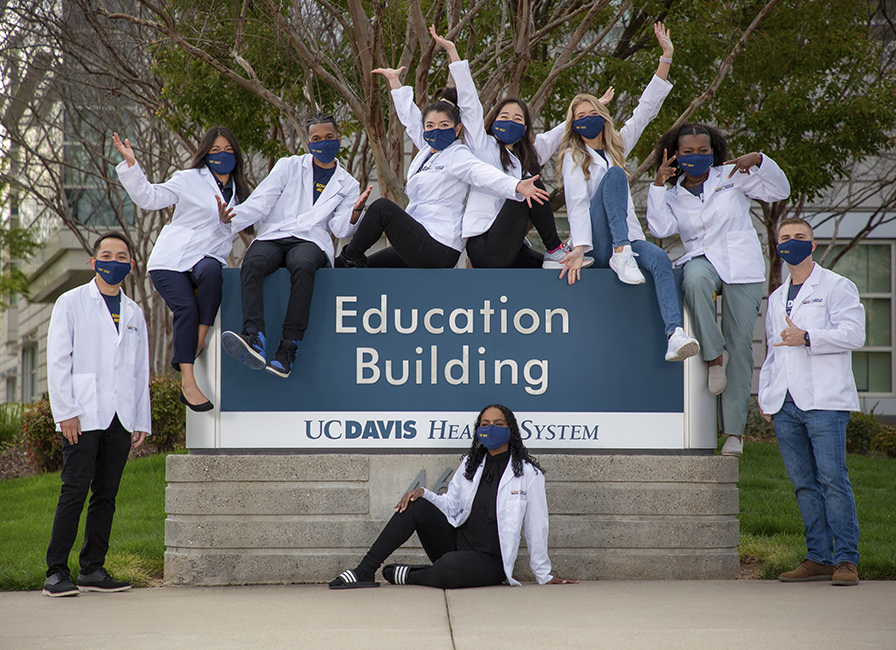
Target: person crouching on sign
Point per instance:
(472, 532)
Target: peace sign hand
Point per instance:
(666, 170)
(744, 163)
(792, 335)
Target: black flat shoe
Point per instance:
(199, 408)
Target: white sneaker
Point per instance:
(625, 266)
(733, 446)
(555, 260)
(717, 378)
(681, 346)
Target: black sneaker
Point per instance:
(248, 348)
(282, 363)
(342, 262)
(59, 584)
(100, 580)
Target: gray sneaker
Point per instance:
(555, 260)
(100, 580)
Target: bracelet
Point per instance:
(665, 59)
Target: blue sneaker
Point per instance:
(248, 348)
(282, 363)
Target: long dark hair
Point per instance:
(445, 101)
(240, 184)
(518, 451)
(669, 144)
(524, 148)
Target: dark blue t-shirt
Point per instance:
(114, 305)
(791, 296)
(322, 176)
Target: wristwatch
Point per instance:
(806, 340)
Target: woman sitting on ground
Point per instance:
(472, 532)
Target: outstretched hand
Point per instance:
(791, 335)
(124, 148)
(359, 205)
(528, 189)
(445, 44)
(607, 97)
(392, 75)
(572, 264)
(664, 37)
(413, 495)
(225, 213)
(744, 163)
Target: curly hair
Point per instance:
(669, 144)
(518, 451)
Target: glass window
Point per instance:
(29, 372)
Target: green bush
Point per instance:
(885, 441)
(169, 416)
(861, 431)
(43, 443)
(10, 424)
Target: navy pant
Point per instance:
(95, 464)
(194, 297)
(451, 568)
(302, 259)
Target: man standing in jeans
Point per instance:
(98, 375)
(813, 323)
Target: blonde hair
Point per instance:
(574, 143)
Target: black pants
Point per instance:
(501, 245)
(193, 297)
(95, 464)
(302, 259)
(451, 568)
(411, 245)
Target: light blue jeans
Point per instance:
(813, 445)
(609, 229)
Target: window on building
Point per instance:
(870, 266)
(29, 372)
(11, 394)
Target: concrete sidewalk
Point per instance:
(747, 614)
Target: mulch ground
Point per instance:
(14, 463)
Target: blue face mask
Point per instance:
(795, 251)
(440, 139)
(695, 164)
(493, 437)
(112, 272)
(589, 127)
(324, 150)
(508, 131)
(222, 162)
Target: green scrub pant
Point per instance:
(740, 307)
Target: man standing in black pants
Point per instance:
(98, 375)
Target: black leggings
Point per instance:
(451, 568)
(500, 246)
(411, 245)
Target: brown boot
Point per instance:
(846, 574)
(808, 571)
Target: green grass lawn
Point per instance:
(770, 524)
(137, 546)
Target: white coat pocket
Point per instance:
(84, 389)
(745, 252)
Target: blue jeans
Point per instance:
(609, 229)
(813, 445)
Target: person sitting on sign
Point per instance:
(472, 532)
(295, 209)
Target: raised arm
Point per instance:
(144, 194)
(759, 177)
(408, 112)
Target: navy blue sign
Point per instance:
(384, 340)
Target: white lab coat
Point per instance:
(819, 377)
(282, 205)
(719, 226)
(483, 205)
(522, 504)
(94, 371)
(579, 192)
(195, 230)
(437, 195)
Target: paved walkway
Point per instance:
(749, 614)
